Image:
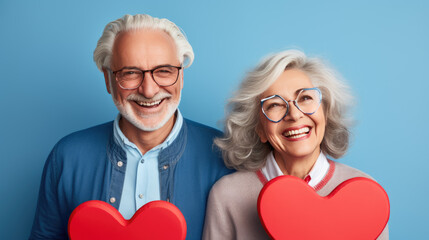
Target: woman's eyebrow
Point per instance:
(298, 91)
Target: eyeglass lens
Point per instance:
(132, 78)
(276, 108)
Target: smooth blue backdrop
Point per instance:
(50, 86)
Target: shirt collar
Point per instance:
(317, 173)
(319, 170)
(123, 141)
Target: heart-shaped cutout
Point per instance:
(98, 220)
(356, 209)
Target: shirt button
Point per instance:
(120, 164)
(307, 179)
(112, 200)
(140, 196)
(165, 167)
(142, 161)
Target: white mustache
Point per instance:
(140, 98)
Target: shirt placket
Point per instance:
(140, 193)
(144, 193)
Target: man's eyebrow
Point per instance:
(167, 65)
(157, 66)
(164, 65)
(130, 67)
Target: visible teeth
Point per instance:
(149, 104)
(297, 133)
(298, 136)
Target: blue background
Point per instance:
(50, 86)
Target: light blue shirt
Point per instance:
(141, 183)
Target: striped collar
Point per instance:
(318, 176)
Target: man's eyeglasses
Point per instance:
(131, 78)
(275, 108)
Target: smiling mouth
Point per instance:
(149, 104)
(298, 133)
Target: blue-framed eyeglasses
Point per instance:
(275, 108)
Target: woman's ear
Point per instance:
(261, 134)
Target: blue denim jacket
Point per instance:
(84, 166)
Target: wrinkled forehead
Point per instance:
(289, 84)
(144, 48)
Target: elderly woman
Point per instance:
(287, 118)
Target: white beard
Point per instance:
(127, 112)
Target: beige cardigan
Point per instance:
(232, 205)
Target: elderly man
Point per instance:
(149, 152)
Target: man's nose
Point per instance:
(149, 88)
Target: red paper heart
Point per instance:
(290, 209)
(98, 220)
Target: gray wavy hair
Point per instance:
(241, 146)
(103, 51)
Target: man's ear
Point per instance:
(182, 74)
(106, 79)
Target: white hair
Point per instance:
(103, 51)
(241, 146)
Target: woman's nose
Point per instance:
(294, 112)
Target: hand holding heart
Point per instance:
(290, 209)
(98, 220)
